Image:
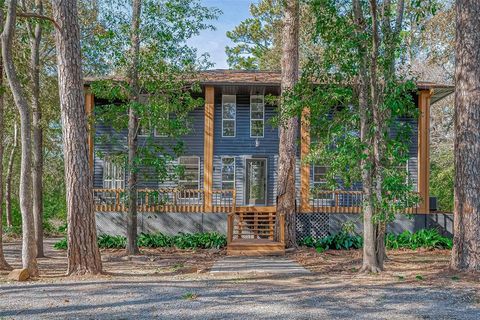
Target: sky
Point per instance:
(214, 42)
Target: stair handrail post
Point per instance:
(282, 228)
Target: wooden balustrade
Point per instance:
(251, 225)
(341, 201)
(164, 200)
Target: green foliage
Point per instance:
(442, 171)
(340, 241)
(111, 242)
(61, 244)
(209, 240)
(257, 39)
(426, 238)
(165, 65)
(344, 240)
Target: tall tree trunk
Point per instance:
(8, 187)
(289, 125)
(466, 242)
(83, 254)
(378, 137)
(37, 172)
(3, 263)
(132, 247)
(370, 231)
(29, 253)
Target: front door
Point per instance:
(256, 182)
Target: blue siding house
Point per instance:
(233, 145)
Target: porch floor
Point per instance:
(255, 247)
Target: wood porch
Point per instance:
(251, 230)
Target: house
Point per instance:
(232, 161)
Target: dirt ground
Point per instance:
(171, 284)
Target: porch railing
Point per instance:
(255, 225)
(340, 201)
(164, 200)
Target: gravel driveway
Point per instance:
(306, 297)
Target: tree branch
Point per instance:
(38, 16)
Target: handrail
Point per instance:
(164, 200)
(341, 201)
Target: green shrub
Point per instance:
(426, 238)
(340, 241)
(181, 241)
(111, 242)
(61, 244)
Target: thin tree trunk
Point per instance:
(83, 254)
(3, 263)
(29, 253)
(132, 247)
(370, 261)
(8, 188)
(37, 172)
(378, 140)
(289, 127)
(466, 242)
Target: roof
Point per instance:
(273, 78)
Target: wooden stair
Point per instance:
(251, 233)
(255, 247)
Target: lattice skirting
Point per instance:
(312, 224)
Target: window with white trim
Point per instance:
(257, 116)
(229, 114)
(190, 174)
(113, 175)
(145, 130)
(228, 173)
(320, 182)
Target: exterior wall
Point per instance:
(193, 146)
(242, 147)
(115, 223)
(317, 225)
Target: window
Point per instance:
(320, 182)
(228, 173)
(113, 175)
(190, 175)
(257, 113)
(229, 113)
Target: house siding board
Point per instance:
(109, 140)
(243, 147)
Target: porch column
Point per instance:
(305, 167)
(424, 98)
(89, 105)
(208, 147)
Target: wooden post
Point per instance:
(89, 105)
(282, 228)
(208, 146)
(305, 167)
(424, 97)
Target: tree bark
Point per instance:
(83, 254)
(286, 195)
(29, 253)
(35, 32)
(132, 247)
(370, 259)
(466, 242)
(3, 263)
(8, 188)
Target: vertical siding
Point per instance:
(242, 146)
